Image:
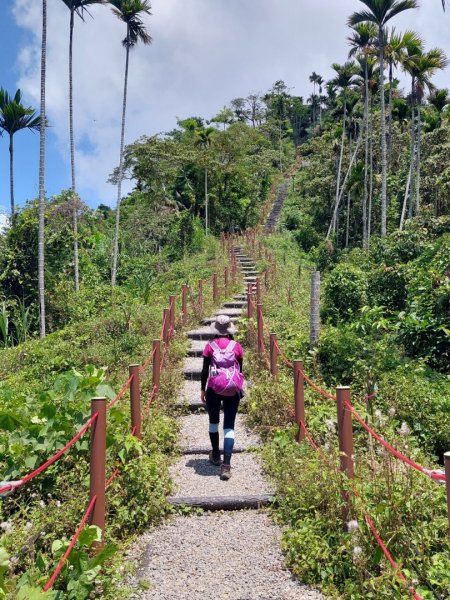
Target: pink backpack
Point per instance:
(225, 377)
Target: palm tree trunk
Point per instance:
(411, 168)
(347, 229)
(419, 136)
(206, 200)
(366, 154)
(341, 156)
(334, 220)
(383, 138)
(390, 116)
(72, 156)
(369, 208)
(41, 232)
(281, 151)
(119, 183)
(11, 173)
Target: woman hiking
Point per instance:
(223, 381)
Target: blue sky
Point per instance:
(26, 144)
(205, 52)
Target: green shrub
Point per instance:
(338, 352)
(307, 237)
(345, 293)
(387, 287)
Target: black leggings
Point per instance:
(230, 408)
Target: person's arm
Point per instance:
(240, 360)
(204, 377)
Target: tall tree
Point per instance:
(41, 232)
(14, 116)
(76, 7)
(345, 75)
(362, 44)
(413, 50)
(131, 13)
(426, 66)
(396, 46)
(204, 141)
(381, 12)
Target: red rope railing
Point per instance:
(121, 393)
(428, 472)
(148, 361)
(392, 450)
(52, 579)
(16, 484)
(367, 518)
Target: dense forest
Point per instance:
(367, 166)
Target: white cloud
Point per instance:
(205, 52)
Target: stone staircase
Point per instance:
(274, 215)
(226, 552)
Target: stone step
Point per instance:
(211, 503)
(202, 333)
(233, 316)
(196, 348)
(193, 368)
(236, 304)
(197, 450)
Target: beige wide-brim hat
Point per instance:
(223, 325)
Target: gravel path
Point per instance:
(196, 476)
(222, 556)
(194, 432)
(218, 555)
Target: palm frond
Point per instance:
(363, 16)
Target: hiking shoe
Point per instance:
(214, 458)
(225, 472)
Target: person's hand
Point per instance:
(202, 397)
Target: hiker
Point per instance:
(223, 381)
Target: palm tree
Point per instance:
(439, 98)
(320, 81)
(41, 233)
(413, 49)
(130, 12)
(76, 7)
(204, 140)
(344, 79)
(362, 43)
(14, 116)
(426, 66)
(380, 12)
(394, 51)
(314, 79)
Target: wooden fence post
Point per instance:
(249, 301)
(215, 290)
(315, 309)
(345, 433)
(200, 296)
(299, 399)
(98, 464)
(172, 301)
(135, 400)
(447, 485)
(273, 355)
(259, 317)
(156, 366)
(258, 290)
(184, 293)
(225, 280)
(166, 326)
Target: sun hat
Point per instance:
(223, 325)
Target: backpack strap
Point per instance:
(231, 344)
(213, 345)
